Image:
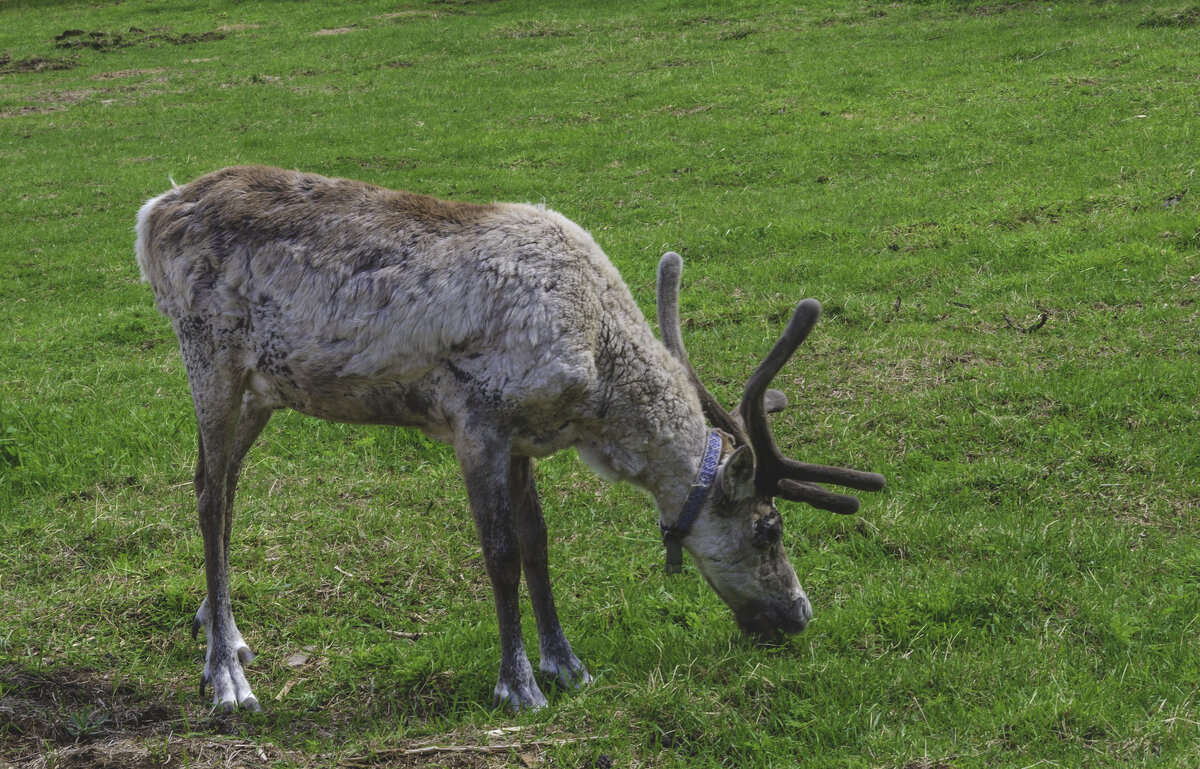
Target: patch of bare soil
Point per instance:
(168, 752)
(34, 64)
(75, 717)
(29, 110)
(75, 39)
(71, 718)
(121, 73)
(67, 98)
(335, 31)
(407, 15)
(55, 101)
(447, 760)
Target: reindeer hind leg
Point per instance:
(251, 421)
(217, 384)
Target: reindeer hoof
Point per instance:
(574, 679)
(228, 706)
(522, 697)
(569, 674)
(231, 690)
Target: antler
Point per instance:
(669, 269)
(775, 475)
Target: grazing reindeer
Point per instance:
(501, 329)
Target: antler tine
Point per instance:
(772, 469)
(670, 268)
(817, 496)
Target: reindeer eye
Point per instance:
(768, 530)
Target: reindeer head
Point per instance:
(730, 524)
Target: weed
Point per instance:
(84, 723)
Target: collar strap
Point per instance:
(673, 535)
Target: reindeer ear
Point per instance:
(737, 477)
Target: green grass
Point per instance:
(941, 176)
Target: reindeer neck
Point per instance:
(651, 431)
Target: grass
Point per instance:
(944, 177)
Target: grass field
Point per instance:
(995, 202)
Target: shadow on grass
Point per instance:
(77, 717)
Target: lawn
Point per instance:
(994, 201)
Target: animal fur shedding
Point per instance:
(501, 329)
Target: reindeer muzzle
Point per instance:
(768, 622)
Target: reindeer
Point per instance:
(500, 329)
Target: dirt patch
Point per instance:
(34, 64)
(407, 15)
(76, 717)
(336, 31)
(75, 39)
(50, 102)
(28, 111)
(168, 752)
(64, 98)
(447, 760)
(120, 73)
(64, 705)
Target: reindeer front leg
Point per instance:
(558, 659)
(485, 463)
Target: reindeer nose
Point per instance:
(768, 621)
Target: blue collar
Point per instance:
(673, 535)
